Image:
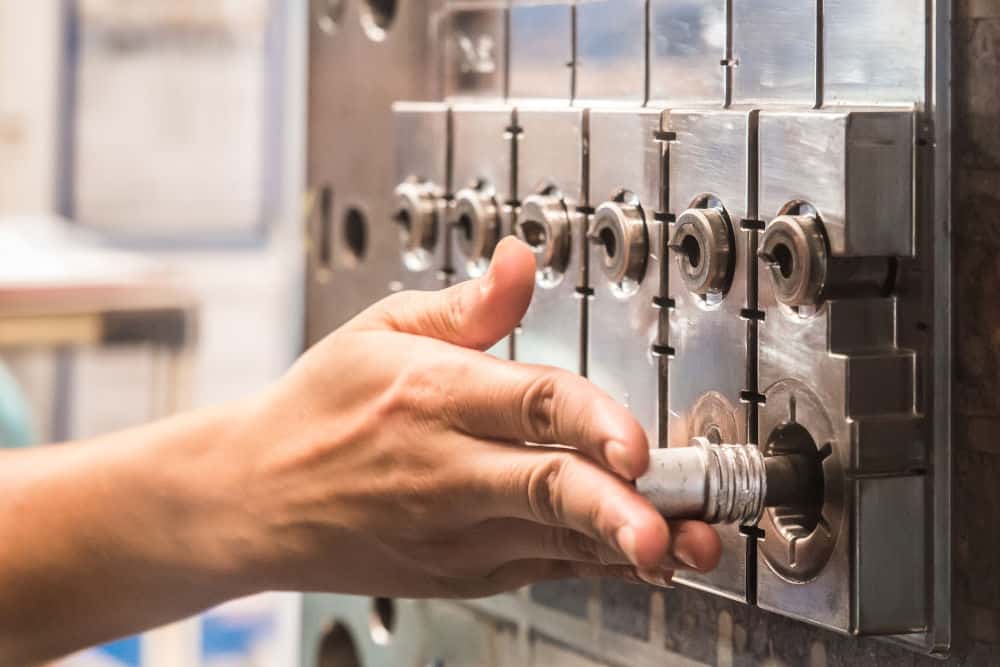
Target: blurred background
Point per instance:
(151, 165)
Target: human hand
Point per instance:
(391, 460)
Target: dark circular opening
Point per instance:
(325, 232)
(609, 241)
(785, 259)
(329, 15)
(356, 233)
(465, 226)
(378, 16)
(534, 234)
(337, 648)
(692, 250)
(383, 620)
(799, 520)
(404, 220)
(714, 435)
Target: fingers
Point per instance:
(474, 314)
(560, 488)
(497, 541)
(539, 404)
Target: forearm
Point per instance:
(114, 535)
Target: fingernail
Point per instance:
(664, 579)
(617, 456)
(681, 556)
(626, 542)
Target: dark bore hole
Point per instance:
(382, 12)
(465, 226)
(356, 233)
(404, 220)
(337, 649)
(692, 250)
(609, 241)
(534, 234)
(786, 261)
(795, 480)
(383, 620)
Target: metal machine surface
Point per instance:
(732, 206)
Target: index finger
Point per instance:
(505, 400)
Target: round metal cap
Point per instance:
(794, 250)
(543, 223)
(476, 223)
(620, 231)
(417, 210)
(704, 247)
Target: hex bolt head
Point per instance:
(418, 207)
(794, 250)
(544, 224)
(475, 219)
(620, 230)
(704, 246)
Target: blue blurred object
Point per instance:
(15, 415)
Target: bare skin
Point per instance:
(390, 460)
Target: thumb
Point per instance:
(474, 314)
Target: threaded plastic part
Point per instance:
(737, 483)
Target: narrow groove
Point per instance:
(820, 53)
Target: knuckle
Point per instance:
(545, 489)
(538, 405)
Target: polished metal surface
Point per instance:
(712, 163)
(775, 54)
(550, 183)
(707, 481)
(860, 167)
(688, 52)
(541, 50)
(874, 52)
(626, 250)
(611, 52)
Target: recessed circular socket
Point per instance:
(329, 14)
(355, 230)
(476, 223)
(383, 620)
(337, 648)
(705, 250)
(805, 483)
(377, 17)
(417, 209)
(794, 250)
(543, 223)
(619, 234)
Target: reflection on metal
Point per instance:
(731, 208)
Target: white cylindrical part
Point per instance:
(714, 483)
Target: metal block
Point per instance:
(611, 52)
(860, 170)
(775, 52)
(625, 255)
(475, 52)
(423, 174)
(837, 387)
(873, 52)
(541, 50)
(483, 160)
(711, 191)
(551, 187)
(687, 50)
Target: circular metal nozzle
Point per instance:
(417, 208)
(476, 222)
(620, 230)
(544, 224)
(714, 483)
(795, 252)
(704, 245)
